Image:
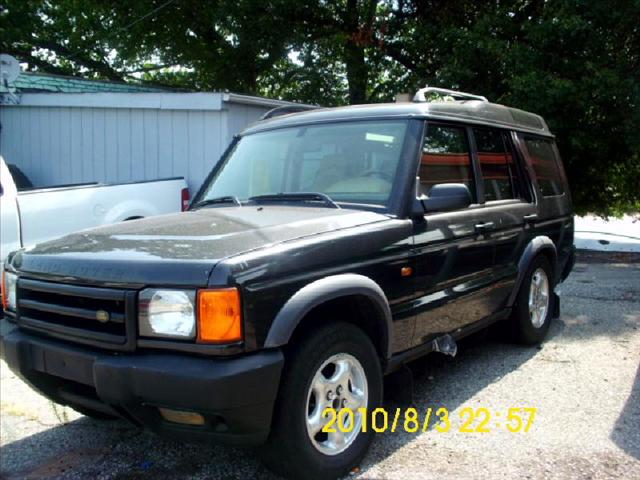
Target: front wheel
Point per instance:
(335, 367)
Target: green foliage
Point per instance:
(313, 76)
(575, 62)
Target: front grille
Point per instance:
(91, 315)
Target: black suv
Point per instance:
(325, 249)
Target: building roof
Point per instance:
(471, 111)
(29, 82)
(173, 100)
(35, 90)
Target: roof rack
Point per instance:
(420, 95)
(286, 109)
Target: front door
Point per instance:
(453, 251)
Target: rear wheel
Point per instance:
(335, 367)
(532, 311)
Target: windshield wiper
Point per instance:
(216, 201)
(296, 197)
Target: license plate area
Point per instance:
(74, 366)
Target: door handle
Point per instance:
(530, 218)
(484, 227)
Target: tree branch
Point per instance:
(96, 66)
(150, 69)
(27, 56)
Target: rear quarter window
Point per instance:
(545, 165)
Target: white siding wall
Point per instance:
(58, 144)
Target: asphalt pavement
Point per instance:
(584, 383)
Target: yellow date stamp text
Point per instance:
(438, 419)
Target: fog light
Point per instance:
(180, 416)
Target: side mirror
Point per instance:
(444, 197)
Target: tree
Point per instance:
(53, 39)
(216, 45)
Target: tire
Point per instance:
(531, 328)
(291, 451)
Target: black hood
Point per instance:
(178, 249)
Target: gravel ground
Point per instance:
(584, 381)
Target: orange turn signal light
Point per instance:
(219, 316)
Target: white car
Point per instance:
(33, 216)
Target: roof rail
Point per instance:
(420, 95)
(286, 109)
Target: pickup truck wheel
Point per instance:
(335, 367)
(532, 311)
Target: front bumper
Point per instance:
(235, 396)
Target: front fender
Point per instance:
(321, 291)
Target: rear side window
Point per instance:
(545, 165)
(445, 158)
(499, 171)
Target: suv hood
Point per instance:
(178, 249)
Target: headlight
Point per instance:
(9, 283)
(167, 313)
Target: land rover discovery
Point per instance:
(325, 249)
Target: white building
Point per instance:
(108, 135)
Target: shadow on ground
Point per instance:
(625, 432)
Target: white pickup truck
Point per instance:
(31, 216)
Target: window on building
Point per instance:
(499, 171)
(545, 165)
(445, 158)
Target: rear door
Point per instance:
(554, 216)
(508, 205)
(453, 253)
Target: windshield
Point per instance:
(350, 162)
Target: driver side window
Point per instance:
(445, 158)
